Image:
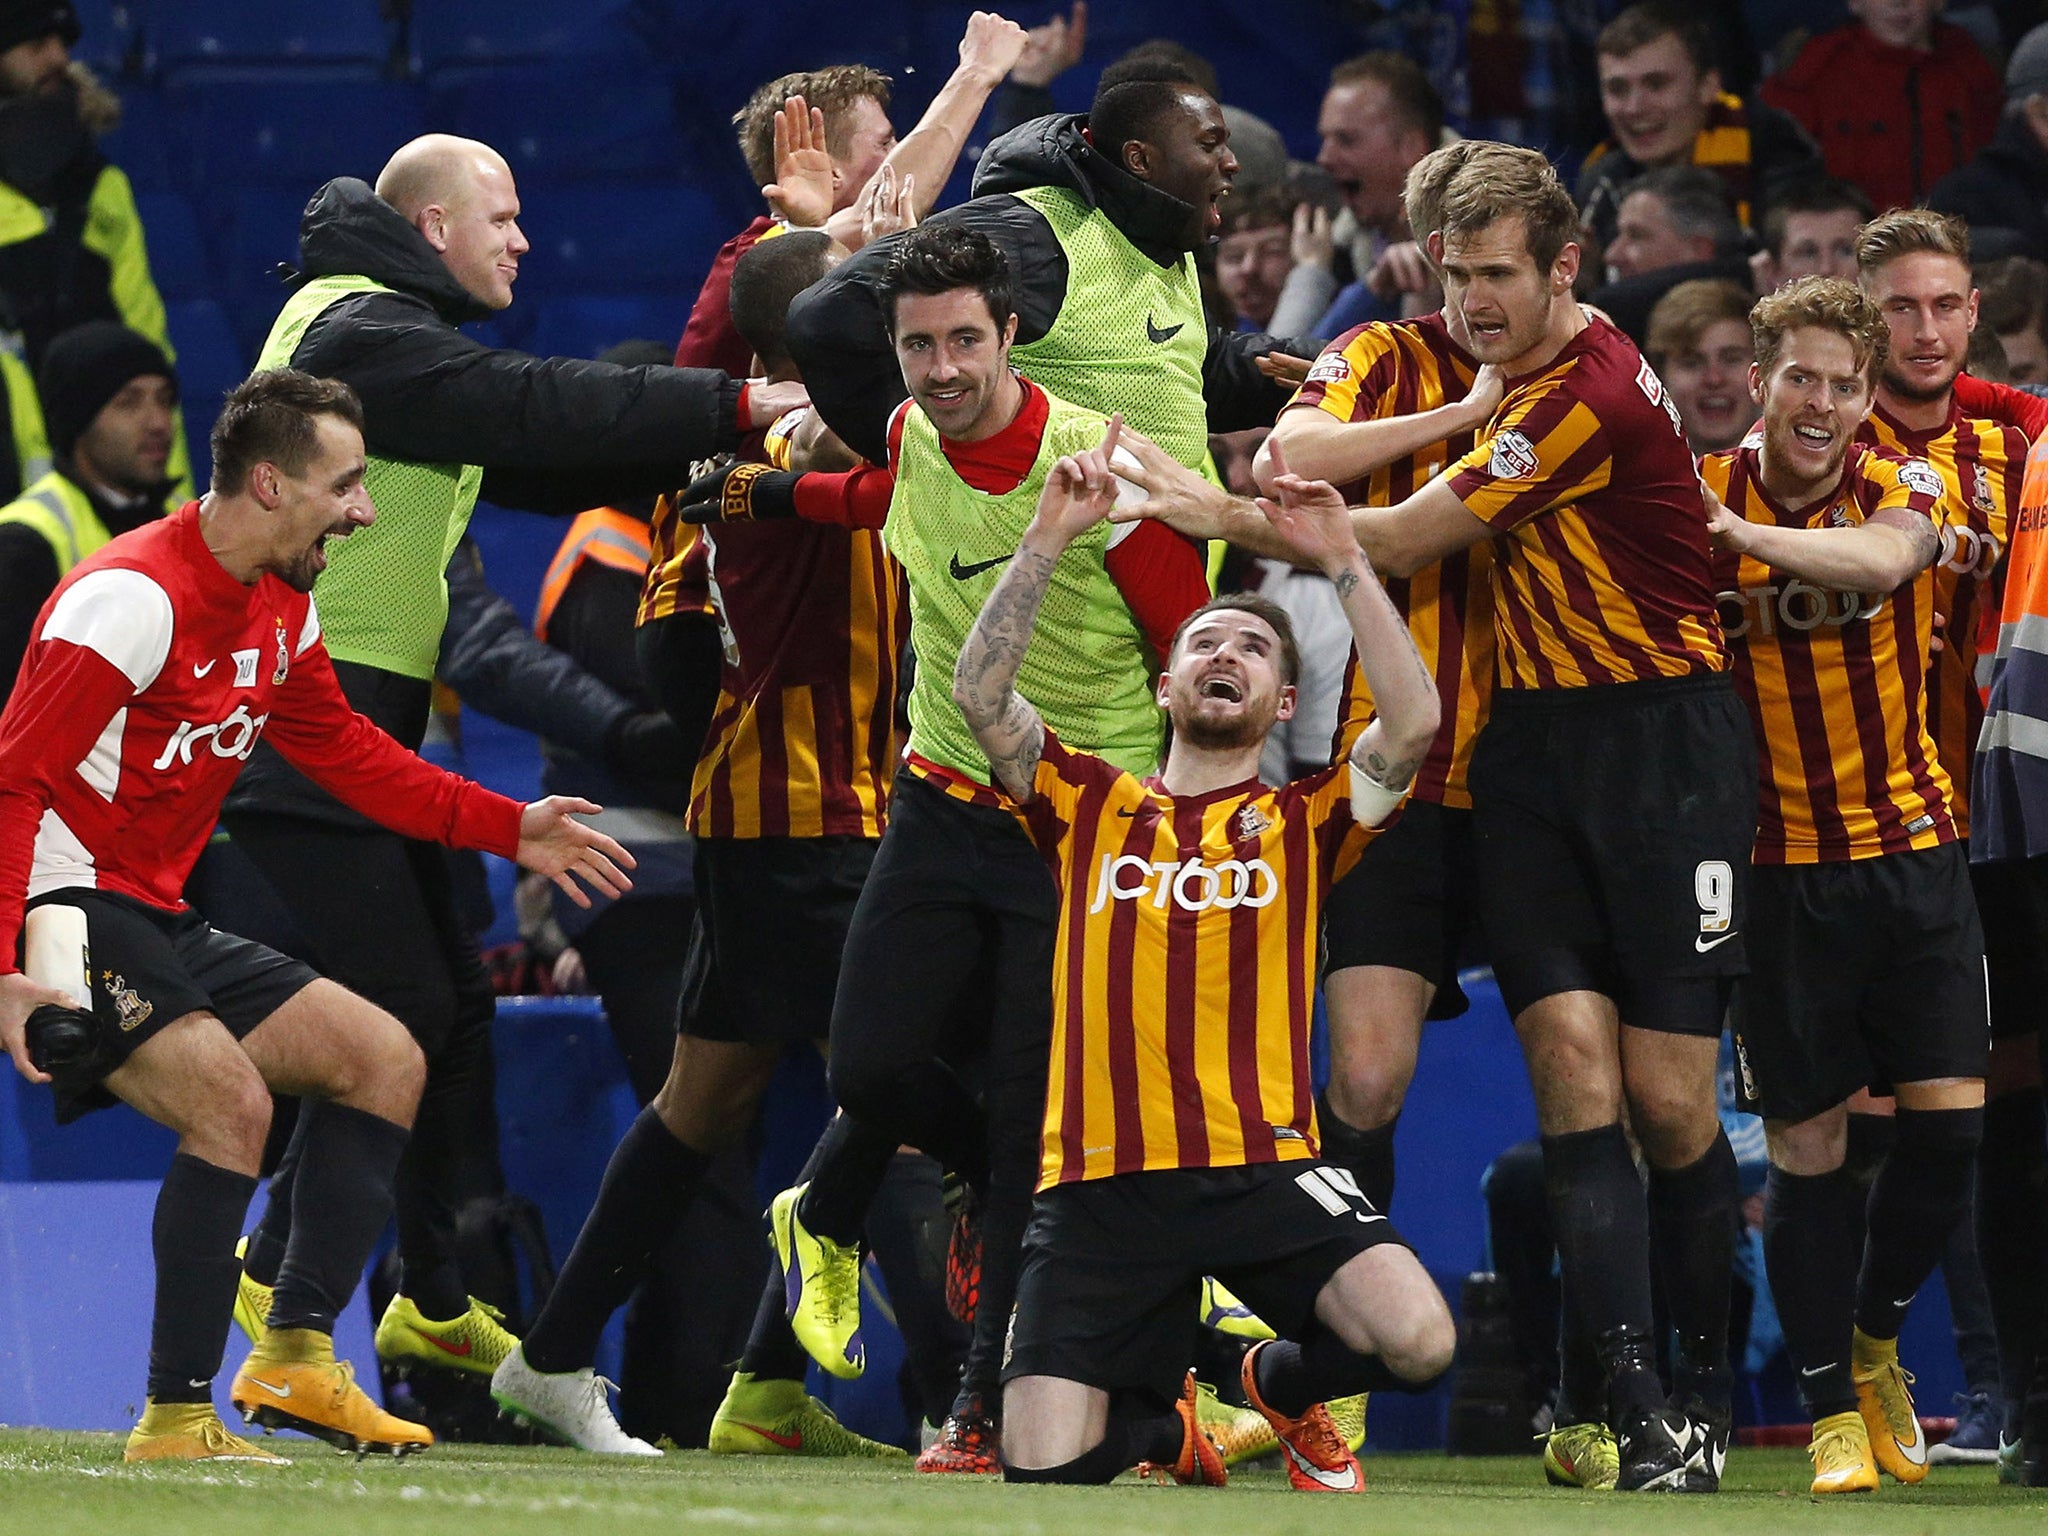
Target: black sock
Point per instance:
(844, 1170)
(1367, 1155)
(1601, 1218)
(648, 1184)
(1693, 1219)
(340, 1203)
(199, 1214)
(2012, 1230)
(772, 1352)
(908, 1229)
(1810, 1253)
(1871, 1138)
(1920, 1194)
(1124, 1443)
(1581, 1385)
(273, 1233)
(1293, 1378)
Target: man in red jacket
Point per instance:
(1895, 99)
(151, 673)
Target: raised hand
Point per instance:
(1309, 516)
(801, 193)
(887, 208)
(1052, 49)
(1081, 488)
(991, 46)
(1312, 244)
(1174, 494)
(553, 843)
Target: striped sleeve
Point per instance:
(1546, 450)
(1358, 365)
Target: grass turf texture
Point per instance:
(56, 1484)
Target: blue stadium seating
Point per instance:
(109, 32)
(632, 237)
(141, 144)
(249, 231)
(211, 361)
(457, 32)
(243, 126)
(188, 32)
(177, 257)
(564, 123)
(584, 325)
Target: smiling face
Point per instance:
(327, 501)
(1656, 100)
(1814, 398)
(1931, 308)
(1503, 299)
(1709, 383)
(477, 232)
(955, 360)
(1224, 688)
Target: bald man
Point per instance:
(385, 278)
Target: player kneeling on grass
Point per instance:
(152, 671)
(1866, 953)
(1180, 1129)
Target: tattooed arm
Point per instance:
(1079, 491)
(1312, 519)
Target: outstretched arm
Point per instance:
(1078, 494)
(1880, 554)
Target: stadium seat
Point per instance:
(190, 32)
(457, 32)
(585, 326)
(547, 122)
(289, 128)
(635, 237)
(250, 231)
(141, 143)
(110, 35)
(211, 361)
(177, 257)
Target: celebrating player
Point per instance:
(155, 667)
(1613, 720)
(1868, 965)
(1180, 1135)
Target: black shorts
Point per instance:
(1612, 828)
(2012, 905)
(1110, 1288)
(1412, 902)
(149, 968)
(1863, 975)
(770, 927)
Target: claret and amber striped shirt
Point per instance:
(1377, 372)
(1981, 465)
(1602, 571)
(1835, 681)
(1185, 969)
(806, 735)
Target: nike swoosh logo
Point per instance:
(1703, 943)
(1815, 1370)
(199, 671)
(793, 1442)
(1125, 810)
(1914, 1450)
(442, 1344)
(274, 1391)
(1342, 1482)
(962, 572)
(1158, 335)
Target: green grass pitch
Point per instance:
(59, 1484)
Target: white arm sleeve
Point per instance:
(1373, 803)
(122, 615)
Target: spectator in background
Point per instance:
(1674, 226)
(1809, 230)
(1255, 261)
(71, 246)
(1665, 106)
(1895, 99)
(2013, 307)
(24, 440)
(1379, 116)
(1698, 341)
(854, 100)
(112, 409)
(2002, 194)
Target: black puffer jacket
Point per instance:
(838, 336)
(2002, 194)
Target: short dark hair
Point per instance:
(268, 419)
(1696, 202)
(766, 279)
(2015, 297)
(1260, 606)
(1164, 50)
(833, 90)
(1131, 98)
(1413, 98)
(1641, 25)
(1260, 208)
(938, 258)
(1813, 194)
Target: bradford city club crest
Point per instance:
(284, 654)
(1251, 821)
(129, 1009)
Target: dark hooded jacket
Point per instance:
(839, 338)
(556, 434)
(2002, 193)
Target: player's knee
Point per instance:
(1419, 1344)
(239, 1121)
(1368, 1093)
(386, 1073)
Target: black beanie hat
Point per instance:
(23, 21)
(87, 366)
